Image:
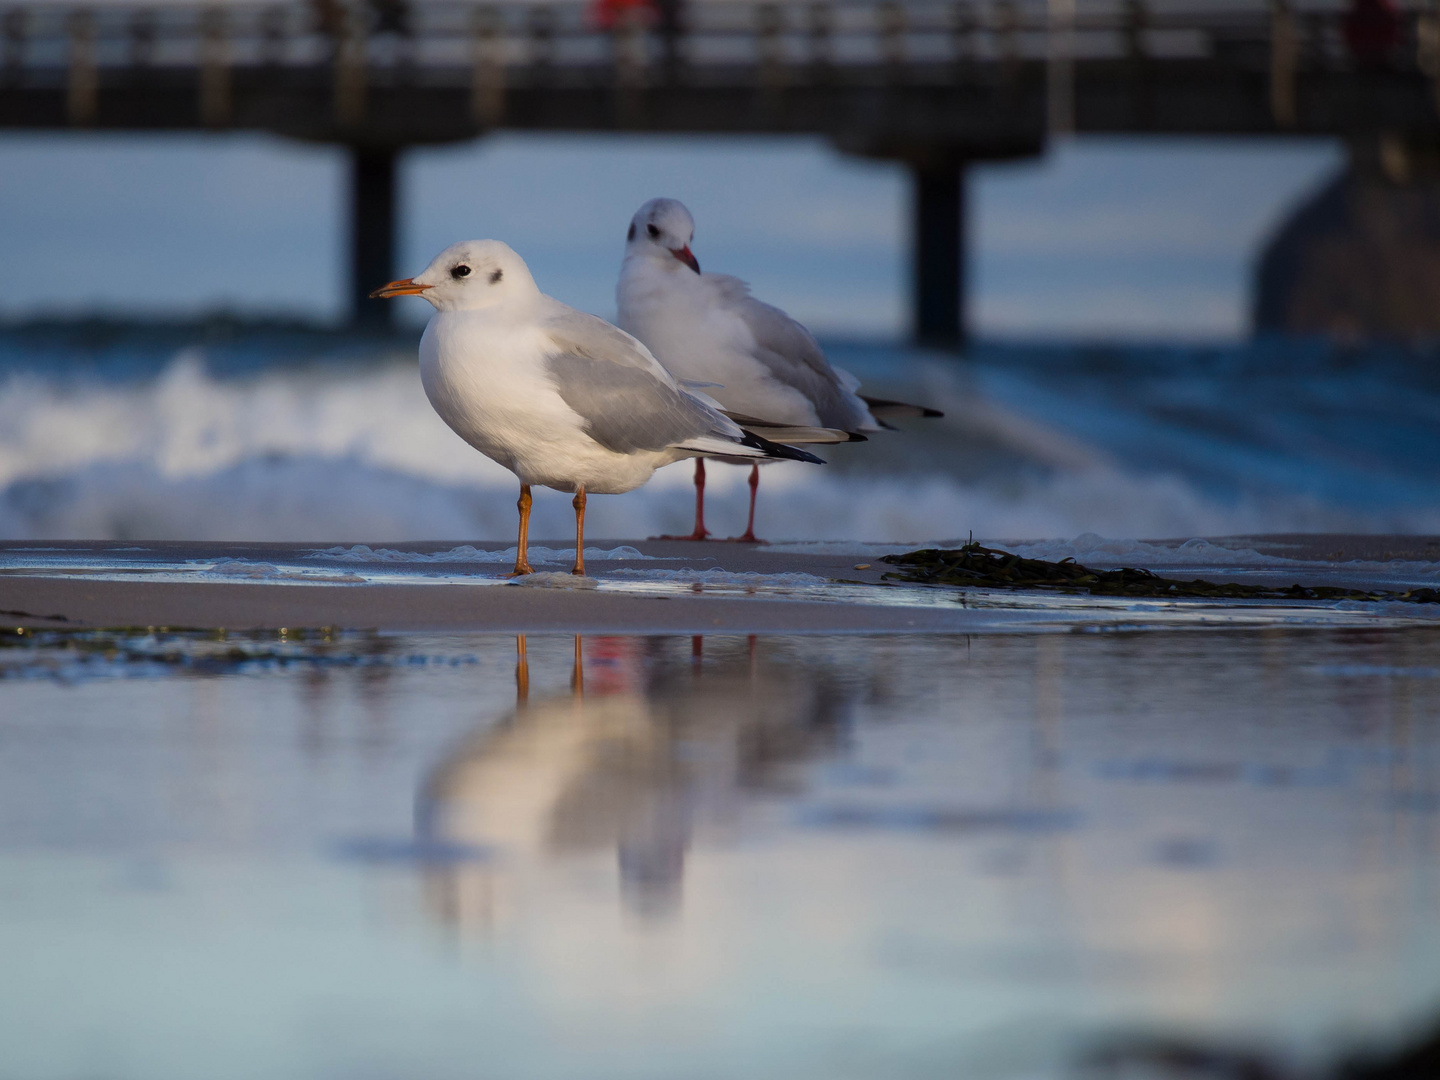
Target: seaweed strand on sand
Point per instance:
(977, 566)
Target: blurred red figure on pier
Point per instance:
(1372, 30)
(608, 14)
(664, 16)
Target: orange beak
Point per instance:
(686, 256)
(403, 287)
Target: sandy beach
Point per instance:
(652, 586)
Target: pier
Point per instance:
(936, 85)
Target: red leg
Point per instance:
(700, 533)
(579, 503)
(749, 535)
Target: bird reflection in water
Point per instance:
(641, 754)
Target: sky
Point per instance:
(1101, 238)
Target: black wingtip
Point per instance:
(778, 450)
(855, 436)
(882, 407)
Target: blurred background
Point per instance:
(1170, 270)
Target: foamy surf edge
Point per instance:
(467, 553)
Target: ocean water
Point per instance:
(286, 434)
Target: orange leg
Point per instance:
(522, 672)
(700, 532)
(522, 565)
(579, 503)
(749, 535)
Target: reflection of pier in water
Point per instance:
(639, 755)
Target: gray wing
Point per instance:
(793, 357)
(627, 400)
(588, 335)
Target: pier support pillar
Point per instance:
(372, 232)
(938, 274)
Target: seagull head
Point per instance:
(662, 229)
(469, 275)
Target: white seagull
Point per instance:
(560, 398)
(752, 358)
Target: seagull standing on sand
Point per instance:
(752, 358)
(560, 398)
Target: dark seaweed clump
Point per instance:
(988, 568)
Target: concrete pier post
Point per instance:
(938, 273)
(372, 232)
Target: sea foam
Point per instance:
(330, 453)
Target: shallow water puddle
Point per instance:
(339, 854)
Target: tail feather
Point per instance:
(884, 410)
(778, 450)
(749, 447)
(794, 433)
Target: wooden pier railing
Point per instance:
(170, 65)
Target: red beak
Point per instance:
(686, 256)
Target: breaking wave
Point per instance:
(352, 453)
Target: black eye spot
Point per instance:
(496, 276)
(461, 271)
(631, 234)
(653, 231)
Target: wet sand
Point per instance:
(36, 602)
(257, 586)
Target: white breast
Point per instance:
(486, 377)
